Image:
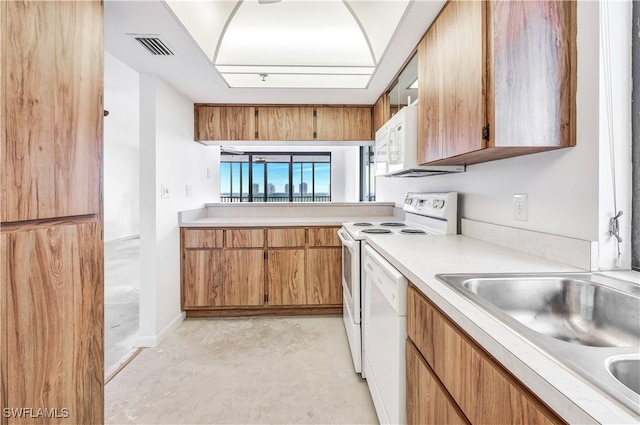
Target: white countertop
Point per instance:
(421, 258)
(280, 221)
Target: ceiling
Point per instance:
(191, 70)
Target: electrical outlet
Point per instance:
(520, 207)
(165, 191)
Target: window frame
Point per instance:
(251, 196)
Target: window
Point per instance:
(367, 174)
(275, 177)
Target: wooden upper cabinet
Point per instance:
(52, 109)
(225, 122)
(494, 85)
(285, 123)
(343, 123)
(381, 113)
(451, 110)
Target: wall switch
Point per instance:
(208, 172)
(520, 207)
(165, 191)
(188, 191)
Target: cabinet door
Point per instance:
(53, 310)
(427, 400)
(285, 123)
(324, 276)
(52, 99)
(532, 68)
(203, 279)
(244, 277)
(330, 123)
(451, 71)
(225, 122)
(223, 278)
(286, 277)
(357, 124)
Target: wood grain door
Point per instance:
(51, 262)
(329, 123)
(324, 276)
(223, 278)
(452, 76)
(204, 277)
(427, 400)
(286, 277)
(225, 122)
(53, 63)
(357, 124)
(52, 277)
(288, 123)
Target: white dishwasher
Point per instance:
(384, 334)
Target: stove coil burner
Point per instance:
(392, 224)
(362, 224)
(377, 231)
(413, 231)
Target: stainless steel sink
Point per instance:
(589, 323)
(567, 308)
(627, 371)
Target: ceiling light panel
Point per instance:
(379, 20)
(294, 33)
(318, 70)
(204, 20)
(297, 81)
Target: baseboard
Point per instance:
(126, 238)
(155, 340)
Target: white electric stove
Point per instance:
(425, 214)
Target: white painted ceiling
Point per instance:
(192, 72)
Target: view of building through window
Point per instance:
(275, 177)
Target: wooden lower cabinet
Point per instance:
(255, 271)
(324, 275)
(223, 278)
(428, 402)
(482, 388)
(286, 277)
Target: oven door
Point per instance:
(351, 273)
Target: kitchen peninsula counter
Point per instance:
(292, 214)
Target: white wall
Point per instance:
(562, 186)
(169, 157)
(121, 150)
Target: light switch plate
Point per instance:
(188, 191)
(520, 207)
(165, 191)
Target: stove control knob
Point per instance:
(441, 203)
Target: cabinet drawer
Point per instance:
(203, 238)
(285, 237)
(245, 238)
(324, 236)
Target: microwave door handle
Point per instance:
(345, 242)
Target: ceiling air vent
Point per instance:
(154, 45)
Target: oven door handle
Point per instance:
(344, 241)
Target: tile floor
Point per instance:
(288, 370)
(122, 300)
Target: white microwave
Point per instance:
(396, 148)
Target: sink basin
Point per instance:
(627, 372)
(586, 322)
(566, 308)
